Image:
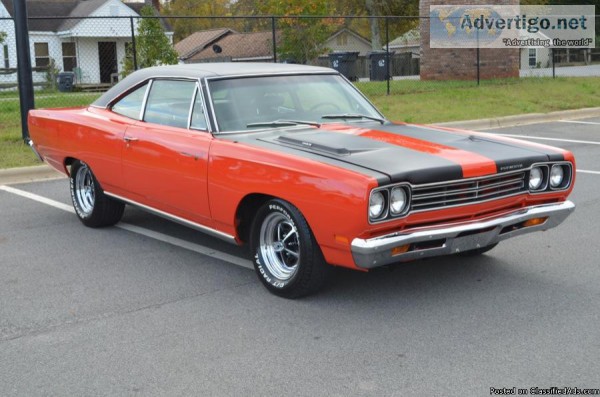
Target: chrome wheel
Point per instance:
(91, 205)
(287, 259)
(84, 189)
(279, 246)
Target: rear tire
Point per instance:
(287, 259)
(92, 206)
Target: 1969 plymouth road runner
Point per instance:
(294, 161)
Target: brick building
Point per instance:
(461, 63)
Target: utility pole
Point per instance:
(24, 71)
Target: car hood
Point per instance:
(406, 152)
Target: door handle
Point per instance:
(186, 154)
(130, 139)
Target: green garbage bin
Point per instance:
(345, 63)
(380, 69)
(65, 81)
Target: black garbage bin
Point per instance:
(65, 81)
(379, 65)
(345, 63)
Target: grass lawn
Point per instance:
(431, 102)
(410, 100)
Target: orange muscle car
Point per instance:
(294, 161)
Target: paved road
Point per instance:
(137, 310)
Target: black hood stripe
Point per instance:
(382, 161)
(387, 161)
(507, 155)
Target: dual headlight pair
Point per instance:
(393, 200)
(550, 176)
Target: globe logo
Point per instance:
(463, 27)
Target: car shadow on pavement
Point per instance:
(437, 281)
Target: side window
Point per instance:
(69, 56)
(131, 104)
(198, 118)
(42, 55)
(169, 102)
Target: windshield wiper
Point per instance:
(282, 123)
(352, 116)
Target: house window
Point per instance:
(6, 59)
(341, 39)
(42, 56)
(69, 57)
(532, 57)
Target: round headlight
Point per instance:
(376, 205)
(557, 175)
(536, 177)
(398, 200)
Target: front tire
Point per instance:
(92, 206)
(287, 258)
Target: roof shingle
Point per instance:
(198, 41)
(239, 46)
(40, 11)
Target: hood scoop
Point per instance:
(332, 143)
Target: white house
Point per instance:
(535, 56)
(93, 48)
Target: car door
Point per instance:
(105, 130)
(165, 155)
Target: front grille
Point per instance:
(467, 191)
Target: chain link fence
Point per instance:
(75, 59)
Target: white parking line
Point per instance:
(579, 122)
(186, 244)
(38, 198)
(548, 139)
(140, 230)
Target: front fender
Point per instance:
(332, 199)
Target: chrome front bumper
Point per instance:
(446, 240)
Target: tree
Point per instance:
(374, 23)
(389, 8)
(2, 37)
(370, 24)
(153, 47)
(302, 32)
(303, 39)
(183, 27)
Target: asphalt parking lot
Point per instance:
(151, 308)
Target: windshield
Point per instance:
(242, 104)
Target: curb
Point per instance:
(45, 172)
(29, 174)
(522, 119)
